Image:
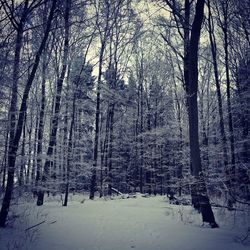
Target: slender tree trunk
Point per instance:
(103, 38)
(29, 153)
(23, 162)
(41, 125)
(34, 162)
(110, 155)
(65, 143)
(65, 130)
(70, 154)
(104, 147)
(97, 120)
(219, 98)
(229, 106)
(55, 118)
(141, 128)
(137, 155)
(4, 163)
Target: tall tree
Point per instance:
(103, 37)
(200, 195)
(190, 34)
(55, 118)
(224, 20)
(219, 98)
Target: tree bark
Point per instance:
(199, 191)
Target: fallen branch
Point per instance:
(34, 226)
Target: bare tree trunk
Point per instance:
(224, 27)
(199, 191)
(27, 180)
(23, 163)
(4, 163)
(34, 161)
(137, 132)
(55, 118)
(41, 125)
(229, 108)
(97, 120)
(110, 154)
(104, 146)
(69, 151)
(141, 126)
(219, 98)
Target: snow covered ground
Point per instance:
(120, 224)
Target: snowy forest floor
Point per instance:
(119, 224)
